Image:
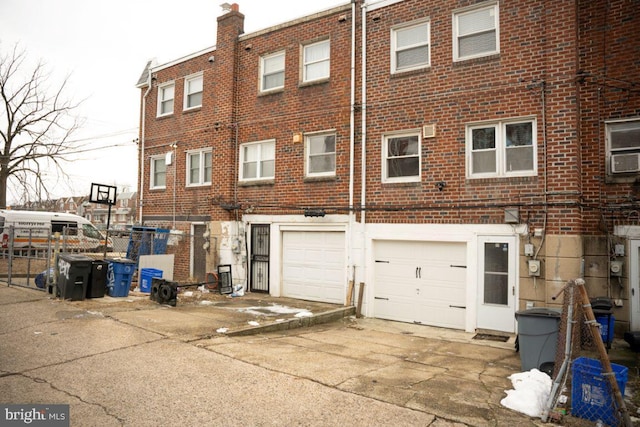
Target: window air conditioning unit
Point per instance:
(429, 131)
(622, 163)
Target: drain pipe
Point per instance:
(363, 151)
(142, 139)
(352, 129)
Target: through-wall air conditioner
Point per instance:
(623, 163)
(429, 131)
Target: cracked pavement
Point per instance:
(118, 367)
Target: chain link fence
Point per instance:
(586, 385)
(28, 256)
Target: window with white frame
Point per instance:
(316, 61)
(501, 149)
(272, 72)
(199, 167)
(623, 145)
(401, 158)
(158, 172)
(257, 160)
(476, 32)
(410, 47)
(165, 99)
(193, 91)
(320, 154)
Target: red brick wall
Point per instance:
(451, 95)
(538, 43)
(609, 58)
(297, 108)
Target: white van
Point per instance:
(32, 229)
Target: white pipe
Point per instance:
(363, 144)
(352, 130)
(363, 148)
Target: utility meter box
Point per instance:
(534, 267)
(616, 268)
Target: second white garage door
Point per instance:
(313, 265)
(421, 282)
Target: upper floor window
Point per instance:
(316, 61)
(165, 99)
(320, 154)
(410, 47)
(199, 167)
(476, 32)
(501, 149)
(257, 160)
(401, 158)
(272, 72)
(158, 172)
(193, 91)
(623, 146)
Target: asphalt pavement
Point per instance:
(253, 360)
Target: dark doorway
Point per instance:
(259, 258)
(199, 253)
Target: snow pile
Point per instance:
(276, 309)
(530, 394)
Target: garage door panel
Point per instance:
(314, 266)
(422, 282)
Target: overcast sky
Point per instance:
(103, 46)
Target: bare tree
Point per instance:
(36, 123)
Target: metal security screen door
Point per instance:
(259, 258)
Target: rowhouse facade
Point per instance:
(458, 160)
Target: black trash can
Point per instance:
(97, 286)
(73, 276)
(538, 337)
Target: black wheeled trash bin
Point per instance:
(97, 286)
(73, 276)
(537, 337)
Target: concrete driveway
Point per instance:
(129, 362)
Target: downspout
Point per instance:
(352, 130)
(363, 115)
(363, 148)
(142, 137)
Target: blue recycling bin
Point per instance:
(119, 275)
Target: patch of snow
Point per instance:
(188, 293)
(206, 302)
(222, 330)
(254, 323)
(280, 320)
(530, 394)
(304, 313)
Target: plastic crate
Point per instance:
(119, 277)
(591, 397)
(146, 277)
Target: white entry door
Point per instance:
(497, 283)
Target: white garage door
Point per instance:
(421, 282)
(313, 266)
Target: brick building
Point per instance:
(461, 159)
